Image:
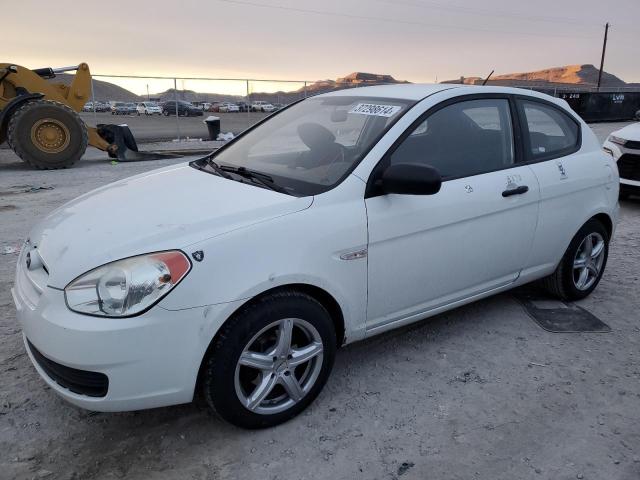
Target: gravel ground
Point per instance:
(479, 392)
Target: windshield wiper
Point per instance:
(218, 169)
(262, 178)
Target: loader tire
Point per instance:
(47, 135)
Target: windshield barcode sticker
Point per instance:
(377, 110)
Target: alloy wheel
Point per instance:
(279, 366)
(588, 261)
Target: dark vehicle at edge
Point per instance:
(185, 109)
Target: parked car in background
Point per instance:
(214, 107)
(261, 106)
(243, 106)
(346, 215)
(148, 108)
(278, 106)
(624, 147)
(88, 107)
(103, 106)
(228, 107)
(185, 109)
(204, 106)
(123, 108)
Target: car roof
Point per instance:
(417, 91)
(406, 91)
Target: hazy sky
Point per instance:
(416, 40)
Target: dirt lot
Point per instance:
(480, 392)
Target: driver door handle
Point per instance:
(515, 191)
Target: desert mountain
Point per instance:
(103, 91)
(586, 75)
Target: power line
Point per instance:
(491, 13)
(392, 20)
(506, 14)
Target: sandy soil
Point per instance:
(479, 392)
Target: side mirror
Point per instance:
(411, 179)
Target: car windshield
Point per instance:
(313, 145)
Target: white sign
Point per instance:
(376, 110)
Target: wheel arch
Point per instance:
(605, 220)
(321, 295)
(12, 106)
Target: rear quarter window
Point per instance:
(549, 132)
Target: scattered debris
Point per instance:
(405, 467)
(531, 364)
(468, 377)
(8, 250)
(225, 137)
(16, 189)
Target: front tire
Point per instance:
(582, 265)
(47, 134)
(270, 360)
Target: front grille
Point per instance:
(91, 384)
(632, 144)
(629, 166)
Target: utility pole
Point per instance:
(604, 49)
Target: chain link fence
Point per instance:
(174, 108)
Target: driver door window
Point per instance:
(460, 140)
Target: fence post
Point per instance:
(93, 102)
(175, 96)
(305, 89)
(248, 100)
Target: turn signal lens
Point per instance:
(127, 287)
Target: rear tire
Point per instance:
(47, 134)
(232, 388)
(566, 282)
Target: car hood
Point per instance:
(630, 132)
(170, 208)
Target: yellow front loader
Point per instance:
(40, 121)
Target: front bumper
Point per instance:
(628, 162)
(151, 360)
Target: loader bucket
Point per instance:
(123, 146)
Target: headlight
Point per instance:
(127, 287)
(618, 140)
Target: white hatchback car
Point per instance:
(238, 275)
(624, 146)
(148, 108)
